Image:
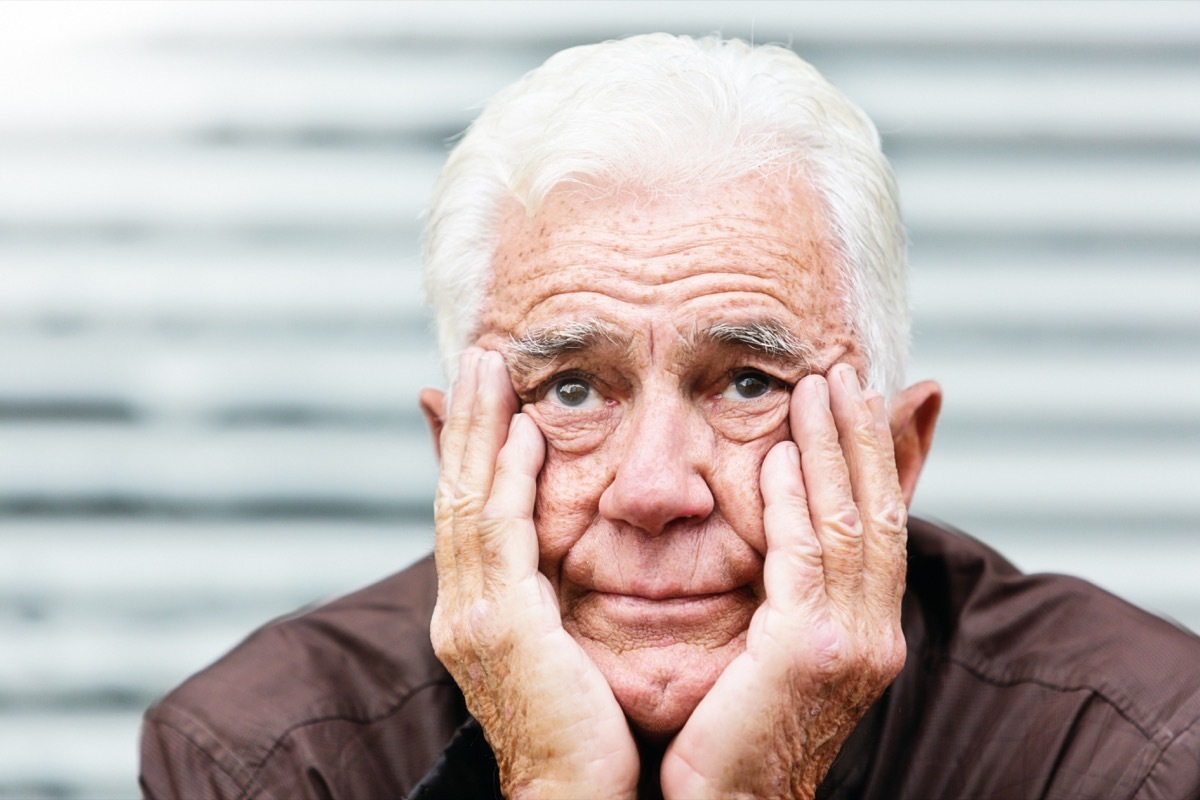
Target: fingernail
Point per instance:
(512, 423)
(793, 454)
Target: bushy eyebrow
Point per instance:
(768, 337)
(548, 343)
(540, 346)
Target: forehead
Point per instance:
(754, 249)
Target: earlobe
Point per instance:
(433, 406)
(914, 413)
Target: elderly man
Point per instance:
(671, 546)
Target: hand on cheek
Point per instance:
(546, 710)
(827, 641)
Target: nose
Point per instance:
(658, 478)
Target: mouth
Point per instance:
(672, 615)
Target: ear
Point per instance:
(433, 406)
(914, 413)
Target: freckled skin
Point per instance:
(652, 490)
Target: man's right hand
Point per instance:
(548, 713)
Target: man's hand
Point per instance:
(548, 713)
(827, 641)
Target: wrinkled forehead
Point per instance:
(755, 243)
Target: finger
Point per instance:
(834, 515)
(885, 515)
(458, 418)
(492, 410)
(793, 572)
(867, 448)
(855, 427)
(507, 538)
(491, 413)
(873, 482)
(453, 441)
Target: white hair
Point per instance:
(675, 115)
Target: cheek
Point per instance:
(568, 499)
(735, 485)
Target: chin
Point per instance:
(658, 688)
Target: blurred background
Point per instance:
(211, 335)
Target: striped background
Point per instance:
(211, 336)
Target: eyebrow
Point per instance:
(768, 337)
(541, 346)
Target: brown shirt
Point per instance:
(1016, 686)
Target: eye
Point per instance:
(573, 392)
(749, 385)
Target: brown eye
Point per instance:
(748, 386)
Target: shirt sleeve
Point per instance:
(174, 766)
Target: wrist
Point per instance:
(573, 781)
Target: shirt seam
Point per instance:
(258, 766)
(1060, 687)
(1152, 741)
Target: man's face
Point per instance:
(654, 343)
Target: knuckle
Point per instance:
(863, 431)
(443, 498)
(466, 502)
(803, 558)
(834, 659)
(846, 523)
(836, 655)
(888, 657)
(481, 626)
(442, 637)
(897, 656)
(892, 516)
(465, 632)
